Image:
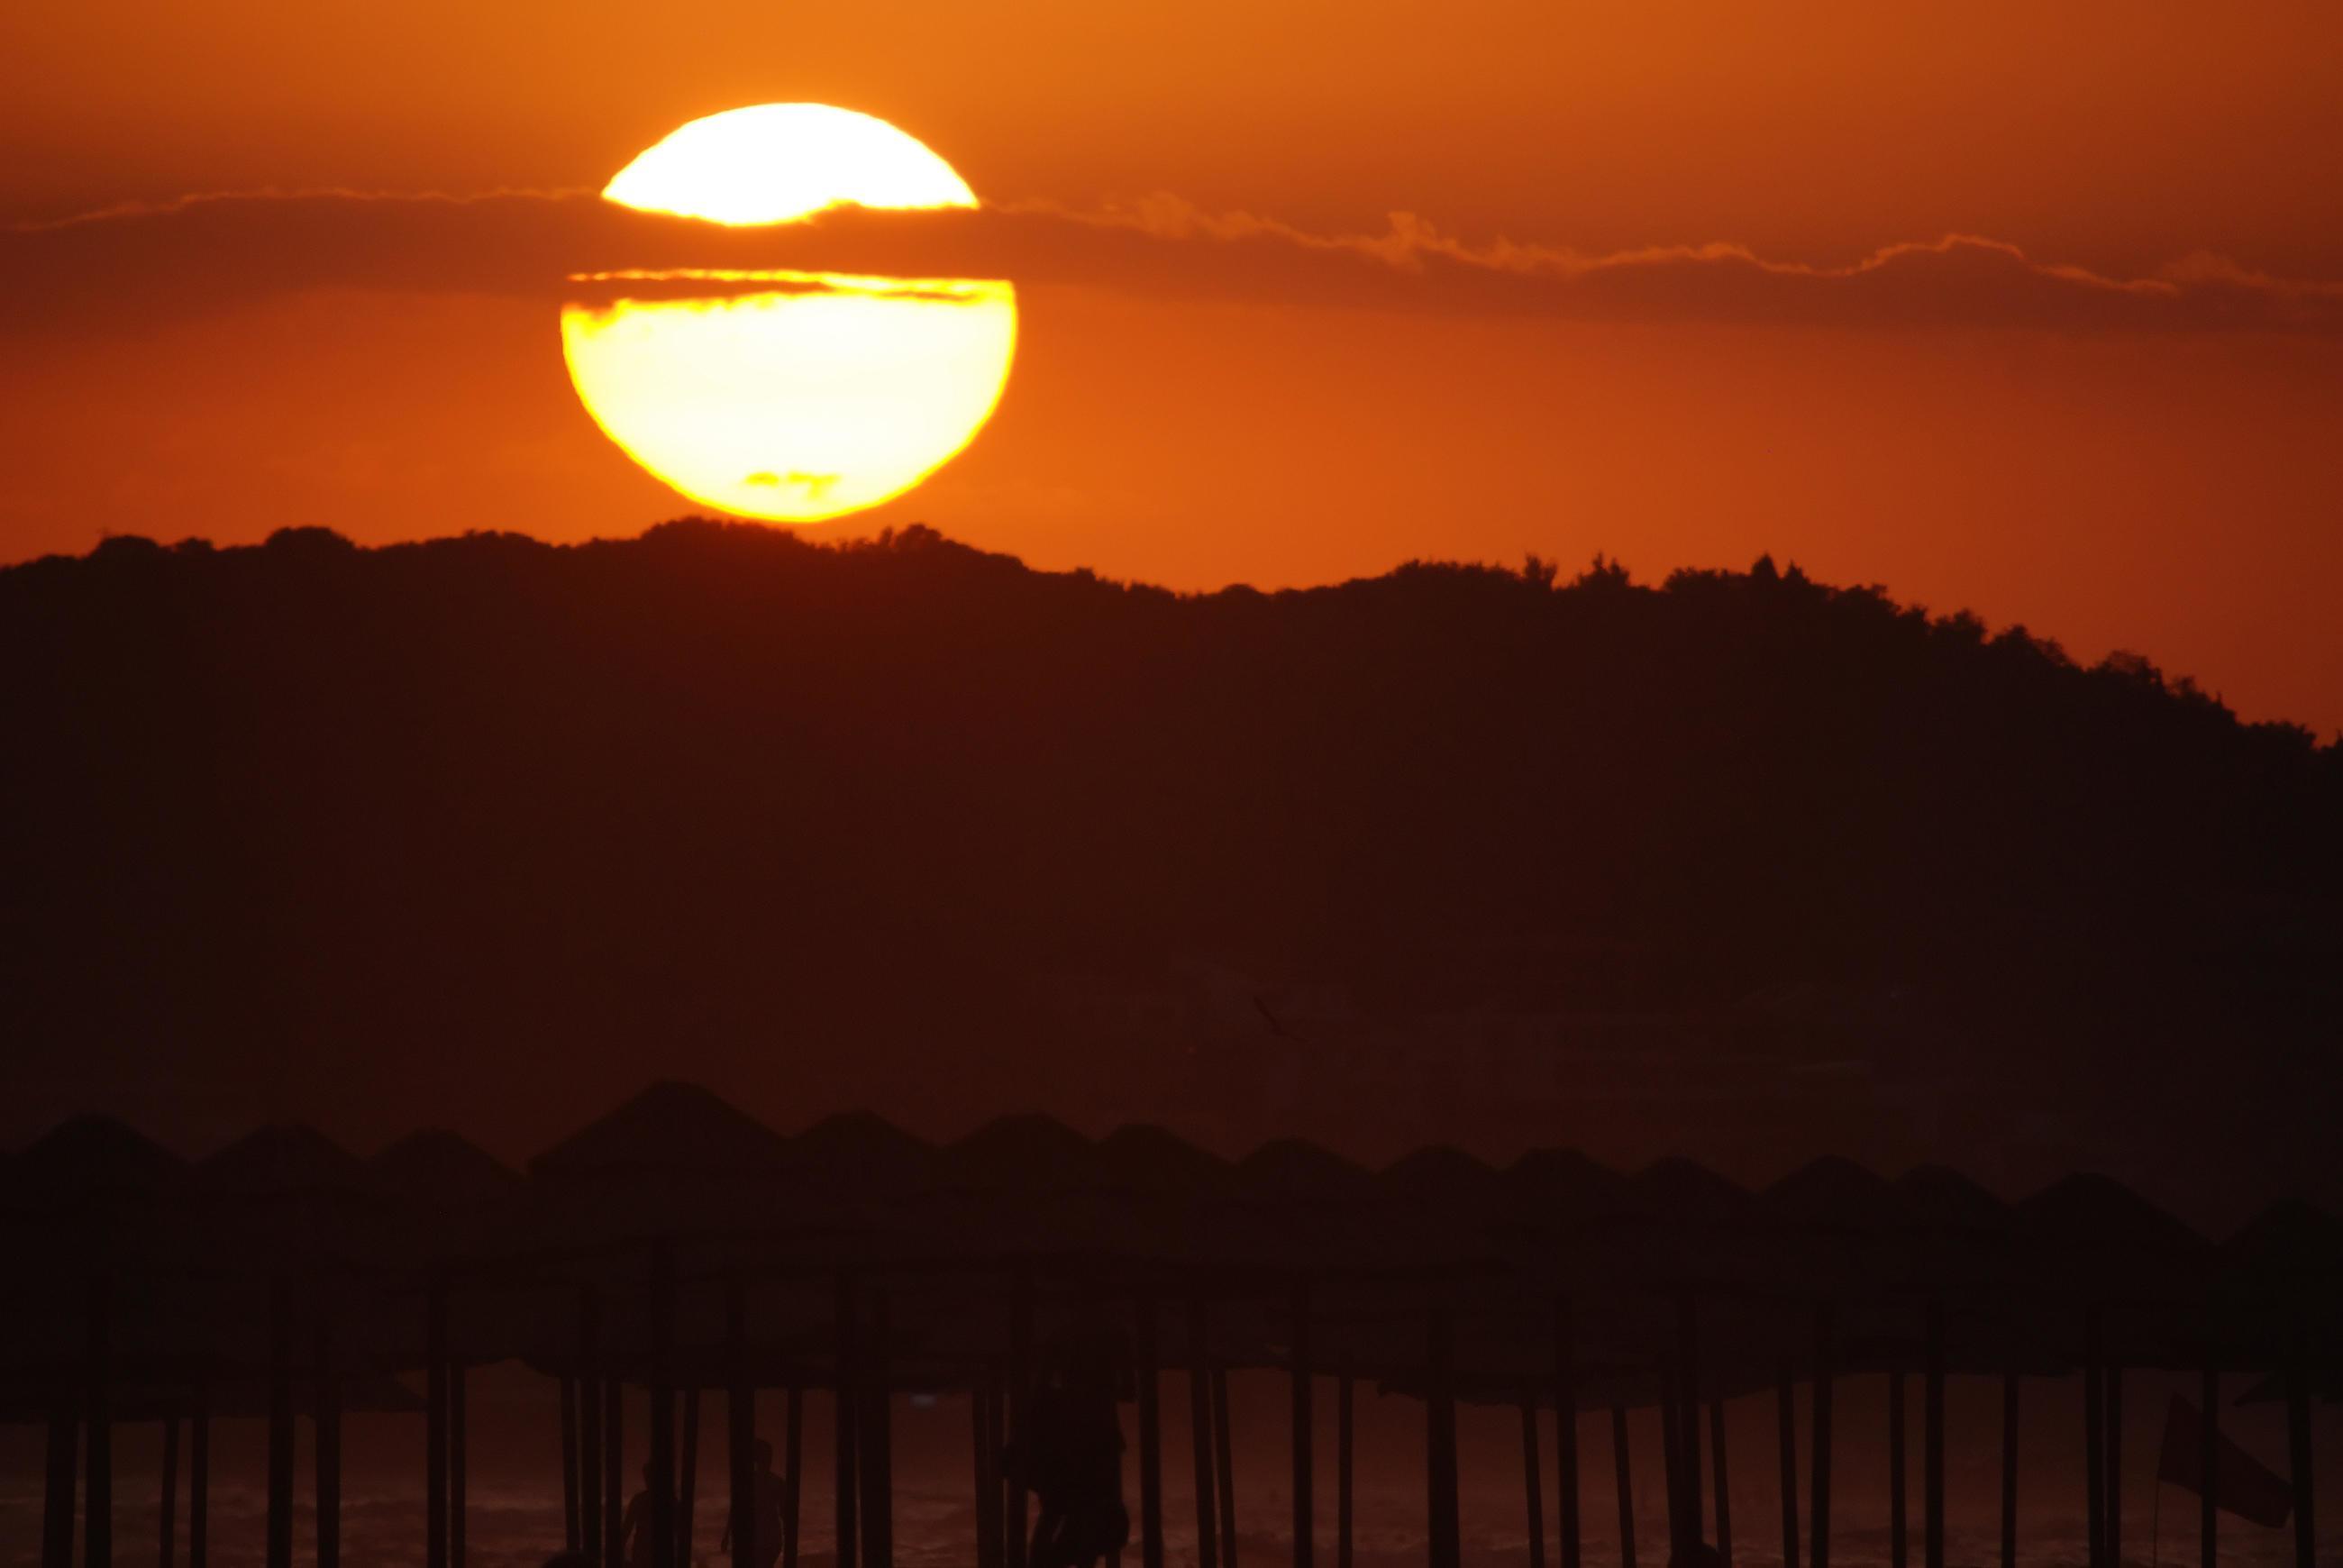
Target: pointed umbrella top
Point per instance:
(278, 1161)
(449, 1196)
(1296, 1170)
(92, 1157)
(1029, 1150)
(1833, 1193)
(2291, 1244)
(1688, 1192)
(863, 1150)
(1436, 1171)
(1557, 1186)
(435, 1169)
(1143, 1155)
(1937, 1197)
(2100, 1240)
(2091, 1210)
(669, 1126)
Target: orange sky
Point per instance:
(2155, 470)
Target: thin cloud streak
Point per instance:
(139, 268)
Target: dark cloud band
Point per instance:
(136, 268)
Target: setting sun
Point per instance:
(772, 162)
(789, 395)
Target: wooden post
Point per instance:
(1533, 1482)
(2094, 1442)
(1620, 1463)
(660, 1519)
(1200, 1431)
(983, 1463)
(1304, 1428)
(1688, 1418)
(2094, 1461)
(844, 1422)
(2010, 1470)
(1345, 1471)
(569, 1462)
(614, 1470)
(97, 1436)
(1931, 1440)
(1818, 1526)
(1898, 1556)
(1150, 1432)
(166, 1532)
(1020, 1410)
(280, 1425)
(459, 1463)
(589, 1427)
(199, 1480)
(874, 1418)
(1444, 1534)
(2208, 1464)
(740, 1429)
(2114, 1375)
(997, 1434)
(687, 1487)
(435, 1424)
(1224, 1479)
(57, 1497)
(2298, 1457)
(590, 1469)
(1723, 1491)
(1565, 1434)
(1785, 1411)
(1671, 1465)
(792, 1471)
(327, 1421)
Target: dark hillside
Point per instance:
(481, 832)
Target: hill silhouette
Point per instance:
(479, 832)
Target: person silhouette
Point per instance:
(766, 1503)
(635, 1538)
(1073, 1451)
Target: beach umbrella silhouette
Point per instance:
(674, 1178)
(86, 1161)
(863, 1154)
(2091, 1241)
(2278, 1301)
(1560, 1188)
(1439, 1171)
(1143, 1157)
(442, 1174)
(1940, 1199)
(98, 1211)
(671, 1126)
(1023, 1152)
(1835, 1194)
(289, 1213)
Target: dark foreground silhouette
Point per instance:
(478, 831)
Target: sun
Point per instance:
(791, 397)
(773, 163)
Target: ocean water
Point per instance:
(513, 1519)
(517, 1527)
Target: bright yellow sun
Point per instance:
(791, 395)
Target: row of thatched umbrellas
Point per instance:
(678, 1245)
